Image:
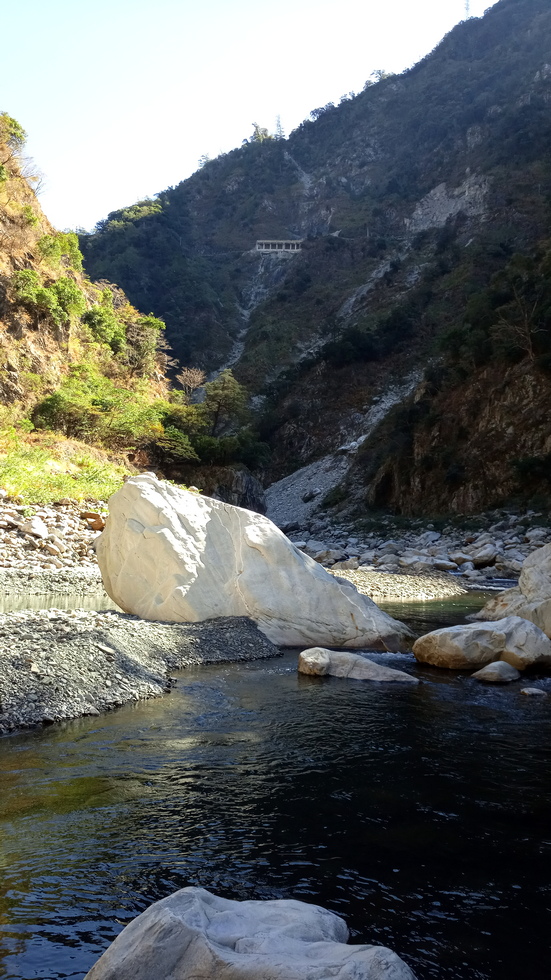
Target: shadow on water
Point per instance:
(421, 816)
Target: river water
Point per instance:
(421, 816)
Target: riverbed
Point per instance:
(421, 816)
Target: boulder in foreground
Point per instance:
(194, 934)
(512, 639)
(321, 663)
(169, 554)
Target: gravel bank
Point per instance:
(383, 587)
(77, 581)
(56, 665)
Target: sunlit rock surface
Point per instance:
(514, 640)
(194, 935)
(332, 663)
(498, 672)
(531, 599)
(169, 554)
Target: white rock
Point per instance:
(444, 565)
(535, 578)
(499, 672)
(486, 555)
(367, 558)
(536, 533)
(533, 690)
(512, 639)
(194, 935)
(532, 598)
(329, 555)
(168, 554)
(429, 537)
(352, 563)
(321, 662)
(390, 548)
(35, 526)
(313, 547)
(459, 557)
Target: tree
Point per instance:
(143, 335)
(316, 113)
(279, 134)
(190, 379)
(12, 133)
(260, 133)
(525, 314)
(379, 75)
(225, 402)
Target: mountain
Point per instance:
(421, 286)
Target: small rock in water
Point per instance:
(499, 672)
(320, 662)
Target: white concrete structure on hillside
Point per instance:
(283, 247)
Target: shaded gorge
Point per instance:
(421, 816)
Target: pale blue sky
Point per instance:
(120, 98)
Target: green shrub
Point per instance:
(106, 327)
(11, 132)
(60, 301)
(175, 445)
(25, 284)
(69, 297)
(61, 245)
(216, 452)
(91, 407)
(28, 213)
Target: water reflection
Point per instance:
(55, 600)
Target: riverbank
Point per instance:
(57, 665)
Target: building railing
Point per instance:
(277, 245)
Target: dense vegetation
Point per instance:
(80, 365)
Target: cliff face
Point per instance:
(413, 200)
(464, 450)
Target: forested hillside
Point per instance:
(84, 390)
(423, 203)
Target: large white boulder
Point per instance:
(194, 935)
(515, 640)
(531, 599)
(169, 554)
(335, 663)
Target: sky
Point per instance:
(121, 98)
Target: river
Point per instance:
(422, 816)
